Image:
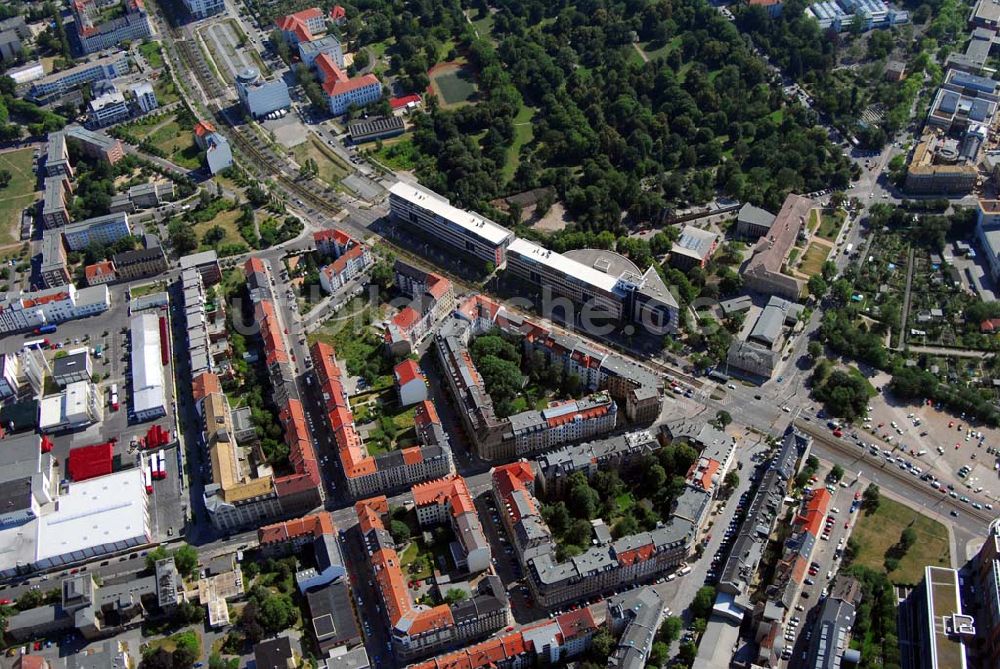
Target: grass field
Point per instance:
(166, 91)
(653, 52)
(877, 532)
(331, 169)
(225, 220)
(454, 83)
(398, 154)
(151, 52)
(830, 223)
(524, 132)
(178, 143)
(18, 194)
(813, 259)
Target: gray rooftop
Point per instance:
(755, 216)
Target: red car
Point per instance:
(838, 433)
(38, 645)
(4, 602)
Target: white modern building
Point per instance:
(260, 97)
(98, 230)
(52, 305)
(81, 404)
(109, 108)
(59, 83)
(145, 97)
(149, 399)
(468, 233)
(200, 9)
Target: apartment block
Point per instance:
(465, 232)
(302, 26)
(351, 258)
(447, 501)
(95, 144)
(98, 230)
(365, 474)
(108, 108)
(330, 45)
(57, 157)
(218, 155)
(100, 273)
(53, 269)
(58, 192)
(631, 386)
(140, 263)
(200, 9)
(418, 630)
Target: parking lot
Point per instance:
(940, 443)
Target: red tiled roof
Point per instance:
(450, 490)
(203, 128)
(205, 384)
(413, 455)
(328, 69)
(437, 286)
(315, 525)
(426, 413)
(402, 101)
(812, 516)
(99, 270)
(338, 13)
(406, 318)
(407, 371)
(578, 622)
(343, 86)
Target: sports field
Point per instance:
(454, 83)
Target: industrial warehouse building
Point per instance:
(149, 399)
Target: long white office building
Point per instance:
(59, 83)
(52, 305)
(149, 398)
(466, 231)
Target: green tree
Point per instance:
(186, 559)
(454, 595)
(817, 286)
(815, 349)
(704, 600)
(836, 473)
(155, 555)
(670, 630)
(731, 480)
(871, 498)
(723, 418)
(400, 531)
(5, 177)
(276, 613)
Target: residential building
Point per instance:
(57, 157)
(351, 259)
(95, 144)
(753, 222)
(330, 45)
(631, 386)
(25, 311)
(302, 26)
(414, 629)
(376, 127)
(57, 84)
(564, 422)
(828, 647)
(942, 634)
(345, 92)
(988, 234)
(100, 29)
(72, 368)
(151, 194)
(611, 287)
(218, 155)
(634, 617)
(260, 97)
(985, 14)
(145, 97)
(432, 297)
(100, 230)
(108, 108)
(935, 169)
(694, 247)
(365, 474)
(763, 272)
(200, 9)
(565, 637)
(149, 398)
(793, 564)
(315, 531)
(53, 269)
(466, 232)
(207, 264)
(57, 193)
(620, 452)
(411, 384)
(447, 500)
(338, 15)
(601, 568)
(274, 653)
(140, 263)
(766, 504)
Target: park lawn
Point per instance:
(225, 220)
(331, 168)
(524, 132)
(830, 224)
(151, 52)
(793, 254)
(147, 289)
(876, 533)
(145, 126)
(777, 116)
(812, 261)
(624, 502)
(405, 419)
(484, 26)
(170, 643)
(18, 194)
(398, 154)
(422, 560)
(662, 51)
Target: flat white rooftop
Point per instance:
(563, 265)
(439, 205)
